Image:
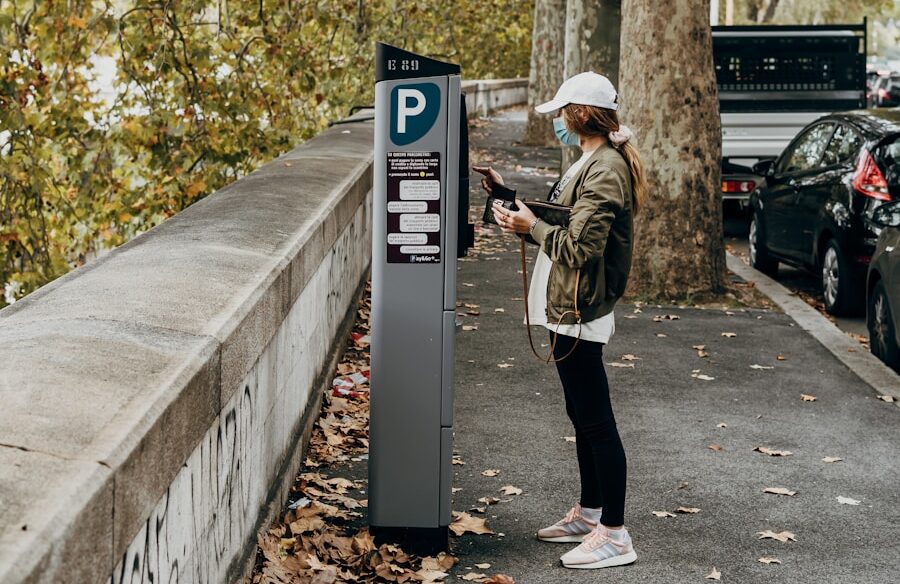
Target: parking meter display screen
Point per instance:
(414, 207)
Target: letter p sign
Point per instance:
(404, 98)
(414, 109)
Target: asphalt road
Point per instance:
(800, 280)
(512, 418)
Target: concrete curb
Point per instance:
(861, 362)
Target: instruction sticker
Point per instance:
(414, 207)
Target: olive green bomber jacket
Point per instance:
(598, 241)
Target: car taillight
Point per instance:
(738, 186)
(868, 180)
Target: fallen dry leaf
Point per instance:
(660, 318)
(442, 562)
(715, 447)
(729, 335)
(474, 577)
(489, 500)
(769, 560)
(569, 438)
(470, 327)
(770, 452)
(483, 566)
(630, 357)
(782, 536)
(688, 510)
(431, 576)
(701, 351)
(504, 365)
(847, 501)
(455, 490)
(780, 491)
(663, 513)
(510, 490)
(465, 523)
(721, 425)
(830, 459)
(626, 365)
(807, 397)
(781, 358)
(702, 376)
(457, 460)
(305, 524)
(887, 398)
(714, 575)
(756, 366)
(661, 335)
(491, 472)
(499, 579)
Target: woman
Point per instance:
(605, 187)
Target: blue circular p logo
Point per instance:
(414, 109)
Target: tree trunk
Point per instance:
(592, 44)
(761, 11)
(672, 105)
(546, 74)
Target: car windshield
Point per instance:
(805, 152)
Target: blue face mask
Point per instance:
(565, 136)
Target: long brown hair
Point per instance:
(601, 121)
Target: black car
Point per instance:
(812, 210)
(883, 306)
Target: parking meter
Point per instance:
(420, 227)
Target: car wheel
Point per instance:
(840, 290)
(882, 336)
(759, 255)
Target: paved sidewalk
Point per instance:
(512, 418)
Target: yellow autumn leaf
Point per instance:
(195, 188)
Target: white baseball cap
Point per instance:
(586, 88)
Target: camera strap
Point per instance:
(576, 312)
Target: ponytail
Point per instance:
(639, 187)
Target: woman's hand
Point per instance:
(513, 221)
(491, 176)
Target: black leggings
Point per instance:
(601, 457)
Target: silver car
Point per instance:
(883, 285)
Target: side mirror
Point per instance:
(765, 168)
(887, 215)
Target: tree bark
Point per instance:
(546, 74)
(672, 105)
(592, 44)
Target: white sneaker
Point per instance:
(601, 549)
(571, 528)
